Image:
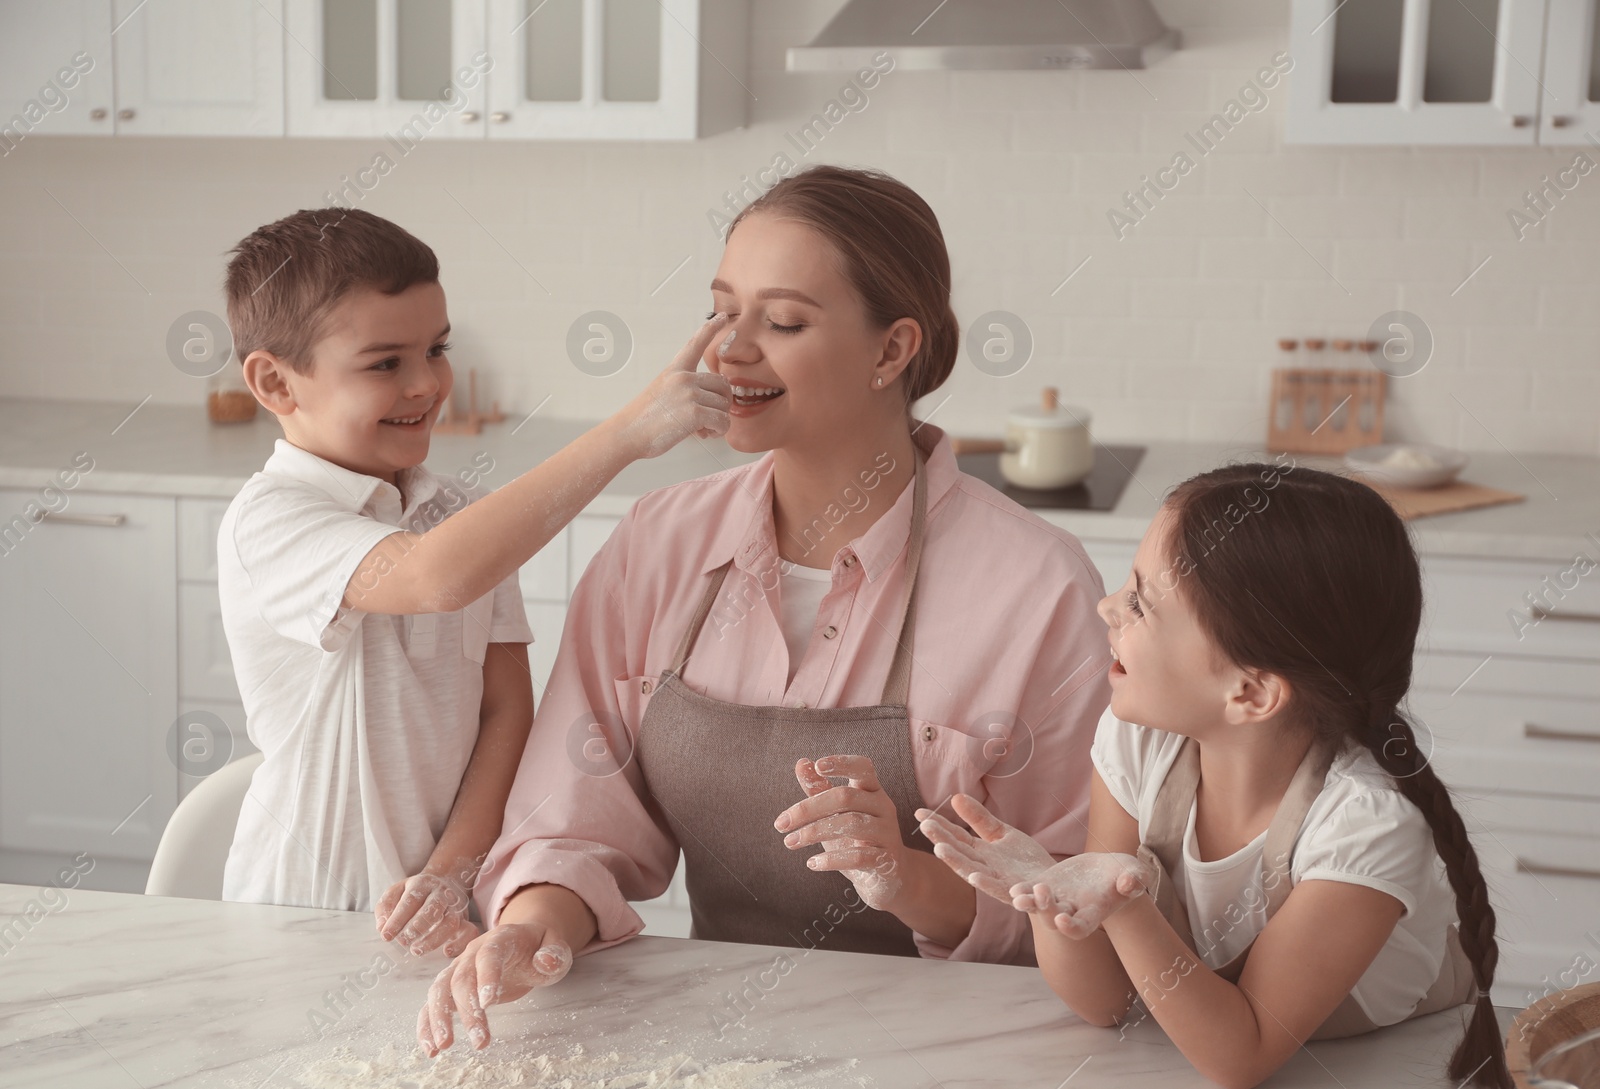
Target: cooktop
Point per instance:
(1113, 468)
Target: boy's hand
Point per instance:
(500, 966)
(680, 402)
(994, 860)
(426, 911)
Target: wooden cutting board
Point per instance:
(1421, 502)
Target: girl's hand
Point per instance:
(857, 825)
(425, 912)
(1084, 891)
(500, 966)
(680, 402)
(994, 860)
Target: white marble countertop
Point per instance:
(174, 450)
(117, 990)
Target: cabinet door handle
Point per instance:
(97, 114)
(1545, 733)
(500, 116)
(125, 115)
(1539, 869)
(1539, 612)
(1521, 121)
(109, 520)
(469, 116)
(1560, 122)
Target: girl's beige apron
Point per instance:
(720, 773)
(1163, 849)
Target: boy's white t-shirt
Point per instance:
(366, 721)
(800, 599)
(1360, 829)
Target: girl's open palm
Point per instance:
(993, 861)
(1083, 891)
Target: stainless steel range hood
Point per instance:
(989, 34)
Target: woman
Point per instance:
(849, 607)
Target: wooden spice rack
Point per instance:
(1326, 410)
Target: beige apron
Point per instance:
(1163, 849)
(720, 773)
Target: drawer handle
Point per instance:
(1545, 733)
(110, 520)
(1539, 612)
(1539, 869)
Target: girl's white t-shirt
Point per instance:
(1360, 829)
(800, 594)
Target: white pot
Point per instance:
(1047, 446)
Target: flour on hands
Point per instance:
(500, 966)
(1082, 892)
(856, 824)
(425, 912)
(992, 861)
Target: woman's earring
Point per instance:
(880, 379)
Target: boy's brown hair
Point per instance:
(285, 278)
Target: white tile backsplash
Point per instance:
(1168, 331)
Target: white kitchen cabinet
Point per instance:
(1509, 716)
(199, 67)
(88, 676)
(407, 70)
(1113, 559)
(1571, 79)
(237, 741)
(544, 577)
(208, 693)
(205, 666)
(546, 620)
(55, 70)
(199, 522)
(402, 70)
(616, 69)
(1417, 71)
(587, 534)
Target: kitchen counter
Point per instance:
(113, 989)
(173, 450)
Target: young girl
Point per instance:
(1274, 859)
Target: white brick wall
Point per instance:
(1168, 332)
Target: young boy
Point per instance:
(371, 607)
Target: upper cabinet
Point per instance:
(617, 69)
(198, 67)
(1571, 79)
(410, 69)
(1481, 72)
(55, 70)
(516, 69)
(1416, 71)
(403, 70)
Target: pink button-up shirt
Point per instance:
(1007, 683)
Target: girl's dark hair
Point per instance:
(891, 250)
(1313, 577)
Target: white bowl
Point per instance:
(1369, 461)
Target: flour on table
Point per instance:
(394, 1068)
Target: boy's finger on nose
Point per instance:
(703, 337)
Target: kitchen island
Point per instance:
(109, 990)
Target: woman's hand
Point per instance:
(994, 860)
(500, 966)
(425, 912)
(1084, 891)
(680, 402)
(857, 825)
